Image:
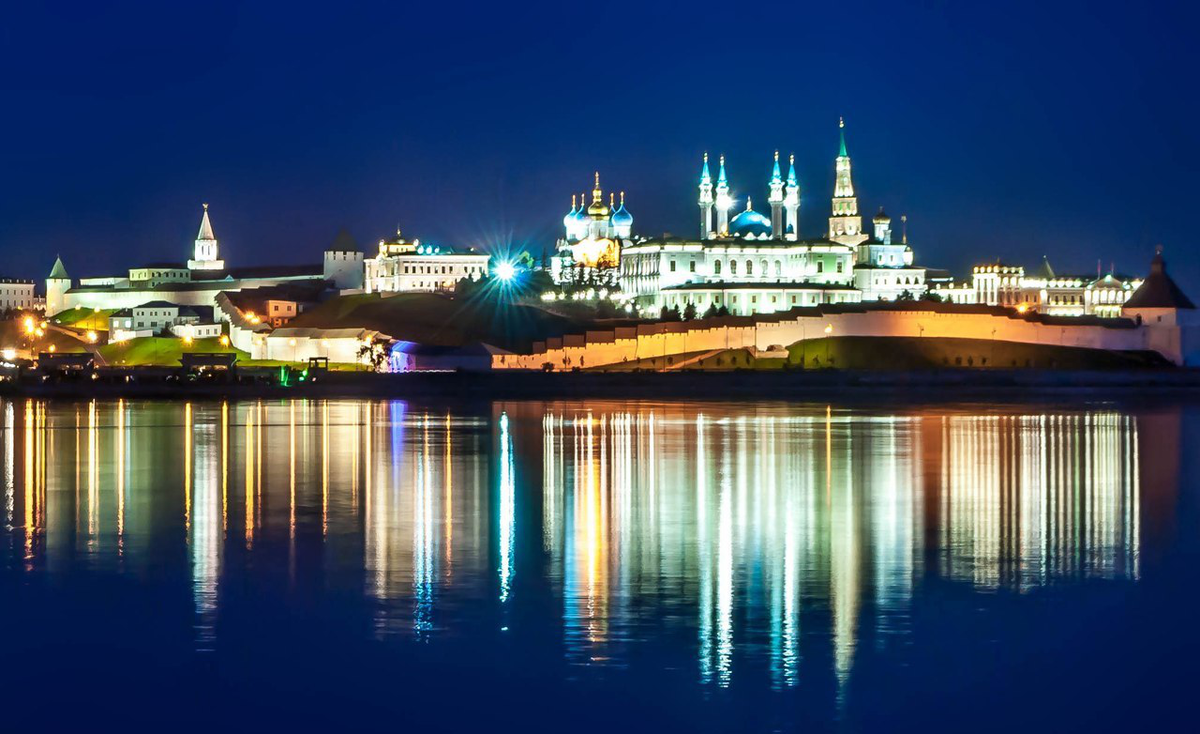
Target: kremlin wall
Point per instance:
(677, 345)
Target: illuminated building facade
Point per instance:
(196, 283)
(17, 294)
(412, 267)
(1043, 291)
(593, 237)
(755, 263)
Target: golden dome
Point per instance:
(598, 209)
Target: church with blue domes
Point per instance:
(594, 237)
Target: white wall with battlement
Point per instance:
(628, 344)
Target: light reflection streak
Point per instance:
(506, 509)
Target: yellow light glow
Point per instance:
(187, 340)
(92, 337)
(829, 328)
(29, 325)
(53, 348)
(1022, 308)
(224, 340)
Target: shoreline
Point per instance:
(849, 386)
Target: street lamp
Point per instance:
(828, 331)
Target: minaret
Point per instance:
(206, 247)
(724, 202)
(706, 202)
(791, 202)
(845, 226)
(776, 200)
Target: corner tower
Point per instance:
(57, 285)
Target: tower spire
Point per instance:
(791, 202)
(842, 135)
(706, 201)
(724, 201)
(776, 200)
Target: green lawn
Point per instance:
(159, 351)
(85, 318)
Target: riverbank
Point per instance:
(810, 384)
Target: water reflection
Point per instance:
(782, 542)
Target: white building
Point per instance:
(594, 236)
(197, 283)
(17, 294)
(1043, 291)
(403, 266)
(762, 261)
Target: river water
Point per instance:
(598, 565)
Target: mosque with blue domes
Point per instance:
(754, 263)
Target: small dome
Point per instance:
(570, 218)
(882, 217)
(581, 214)
(750, 224)
(622, 215)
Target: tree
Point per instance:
(931, 296)
(906, 295)
(723, 311)
(712, 311)
(374, 354)
(669, 314)
(689, 312)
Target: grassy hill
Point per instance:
(85, 318)
(441, 320)
(907, 353)
(159, 351)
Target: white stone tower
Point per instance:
(791, 202)
(845, 226)
(776, 200)
(57, 286)
(706, 202)
(206, 257)
(724, 202)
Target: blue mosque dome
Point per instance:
(750, 223)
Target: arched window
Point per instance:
(778, 269)
(733, 267)
(763, 266)
(717, 267)
(749, 267)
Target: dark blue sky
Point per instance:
(1001, 129)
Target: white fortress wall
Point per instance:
(598, 348)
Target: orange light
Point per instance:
(53, 348)
(224, 340)
(1022, 308)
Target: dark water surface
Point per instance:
(598, 566)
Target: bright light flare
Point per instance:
(506, 271)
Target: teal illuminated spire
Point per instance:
(776, 176)
(842, 133)
(705, 176)
(791, 179)
(721, 174)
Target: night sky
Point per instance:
(1006, 130)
